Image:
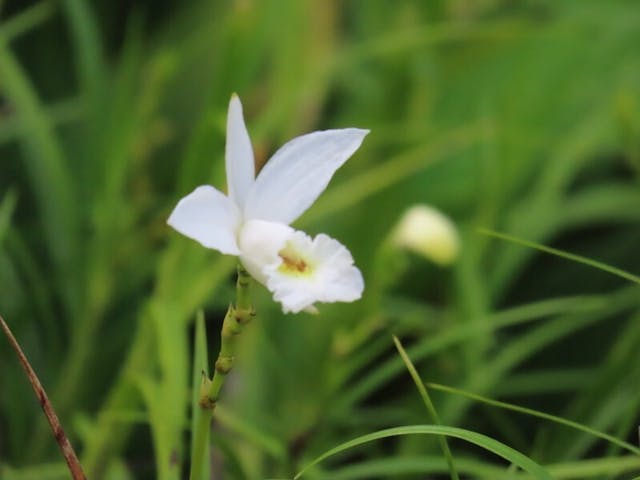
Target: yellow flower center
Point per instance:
(293, 263)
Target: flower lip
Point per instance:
(293, 263)
(329, 274)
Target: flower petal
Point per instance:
(299, 172)
(209, 217)
(310, 271)
(238, 154)
(343, 280)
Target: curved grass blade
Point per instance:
(535, 413)
(478, 439)
(424, 466)
(61, 438)
(429, 346)
(561, 253)
(429, 404)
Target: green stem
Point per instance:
(234, 321)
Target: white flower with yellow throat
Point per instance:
(252, 222)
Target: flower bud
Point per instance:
(429, 233)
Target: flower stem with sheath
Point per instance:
(234, 321)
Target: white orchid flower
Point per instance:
(252, 222)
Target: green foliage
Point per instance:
(516, 458)
(515, 117)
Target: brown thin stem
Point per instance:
(61, 438)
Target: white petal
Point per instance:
(209, 217)
(343, 281)
(238, 154)
(260, 243)
(330, 275)
(299, 172)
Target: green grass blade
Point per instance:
(610, 467)
(228, 419)
(50, 471)
(200, 368)
(487, 443)
(560, 253)
(526, 345)
(399, 467)
(27, 20)
(535, 413)
(7, 206)
(59, 114)
(50, 177)
(429, 346)
(87, 46)
(429, 404)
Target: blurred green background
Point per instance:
(519, 116)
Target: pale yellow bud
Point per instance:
(427, 232)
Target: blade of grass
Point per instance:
(234, 423)
(536, 413)
(514, 316)
(61, 438)
(7, 206)
(87, 46)
(36, 287)
(478, 439)
(59, 114)
(167, 418)
(429, 404)
(200, 370)
(27, 20)
(49, 471)
(560, 253)
(391, 467)
(598, 467)
(50, 176)
(395, 467)
(489, 374)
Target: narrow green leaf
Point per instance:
(422, 466)
(27, 20)
(535, 413)
(87, 46)
(59, 114)
(7, 206)
(233, 422)
(478, 439)
(50, 471)
(361, 387)
(45, 161)
(560, 253)
(429, 404)
(200, 369)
